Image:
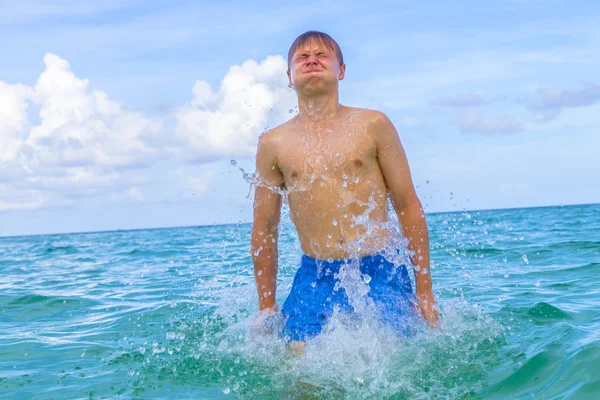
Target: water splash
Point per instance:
(355, 353)
(168, 312)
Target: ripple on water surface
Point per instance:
(165, 313)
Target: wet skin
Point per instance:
(337, 166)
(330, 174)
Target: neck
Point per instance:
(318, 107)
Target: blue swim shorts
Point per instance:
(317, 290)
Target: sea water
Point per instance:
(167, 313)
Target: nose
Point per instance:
(312, 59)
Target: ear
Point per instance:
(289, 74)
(342, 72)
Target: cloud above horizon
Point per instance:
(75, 147)
(227, 122)
(551, 100)
(82, 144)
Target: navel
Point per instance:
(294, 174)
(358, 162)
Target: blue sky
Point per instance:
(126, 114)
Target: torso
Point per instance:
(335, 188)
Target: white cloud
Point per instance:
(82, 141)
(200, 183)
(472, 121)
(82, 127)
(136, 194)
(84, 145)
(13, 119)
(21, 206)
(227, 122)
(553, 99)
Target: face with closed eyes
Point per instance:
(315, 68)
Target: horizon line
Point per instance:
(246, 223)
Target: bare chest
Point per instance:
(329, 155)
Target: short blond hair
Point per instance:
(317, 36)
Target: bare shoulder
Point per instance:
(267, 155)
(269, 138)
(274, 137)
(383, 132)
(377, 120)
(371, 118)
(269, 142)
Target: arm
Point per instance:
(394, 167)
(267, 210)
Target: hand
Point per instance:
(264, 322)
(428, 307)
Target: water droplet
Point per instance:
(291, 111)
(335, 222)
(233, 162)
(329, 235)
(537, 284)
(226, 390)
(356, 179)
(506, 275)
(344, 184)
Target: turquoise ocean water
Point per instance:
(166, 313)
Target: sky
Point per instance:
(127, 114)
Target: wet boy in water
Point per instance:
(337, 165)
